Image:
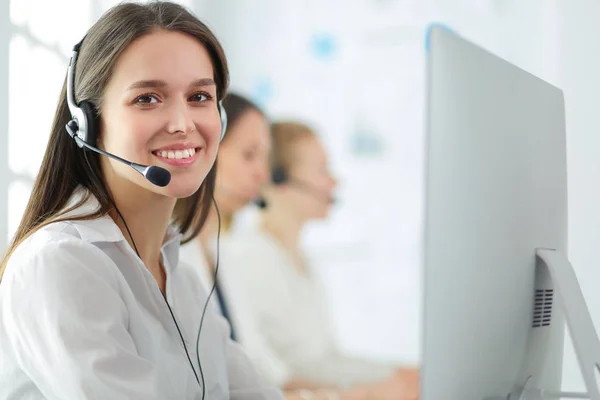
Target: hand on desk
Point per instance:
(408, 383)
(403, 385)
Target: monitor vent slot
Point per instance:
(542, 307)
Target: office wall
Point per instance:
(580, 65)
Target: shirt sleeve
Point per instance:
(267, 361)
(67, 325)
(269, 364)
(244, 382)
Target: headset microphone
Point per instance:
(279, 177)
(261, 203)
(311, 191)
(156, 175)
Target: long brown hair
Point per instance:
(64, 167)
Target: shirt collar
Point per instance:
(105, 230)
(171, 245)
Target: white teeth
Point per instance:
(176, 154)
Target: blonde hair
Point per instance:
(285, 136)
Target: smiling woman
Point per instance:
(172, 108)
(90, 291)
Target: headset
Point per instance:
(280, 177)
(83, 128)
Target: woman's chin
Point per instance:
(180, 190)
(323, 214)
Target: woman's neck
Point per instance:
(147, 215)
(284, 226)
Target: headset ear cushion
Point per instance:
(223, 115)
(91, 120)
(278, 176)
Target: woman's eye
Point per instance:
(199, 97)
(146, 99)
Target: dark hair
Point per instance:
(236, 106)
(64, 167)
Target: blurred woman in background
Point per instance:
(274, 283)
(242, 166)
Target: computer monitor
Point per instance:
(496, 193)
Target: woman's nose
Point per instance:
(180, 119)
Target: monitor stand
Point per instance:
(553, 268)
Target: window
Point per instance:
(40, 37)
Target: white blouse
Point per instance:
(242, 317)
(291, 313)
(82, 318)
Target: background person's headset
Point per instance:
(279, 176)
(83, 128)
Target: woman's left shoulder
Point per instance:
(249, 243)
